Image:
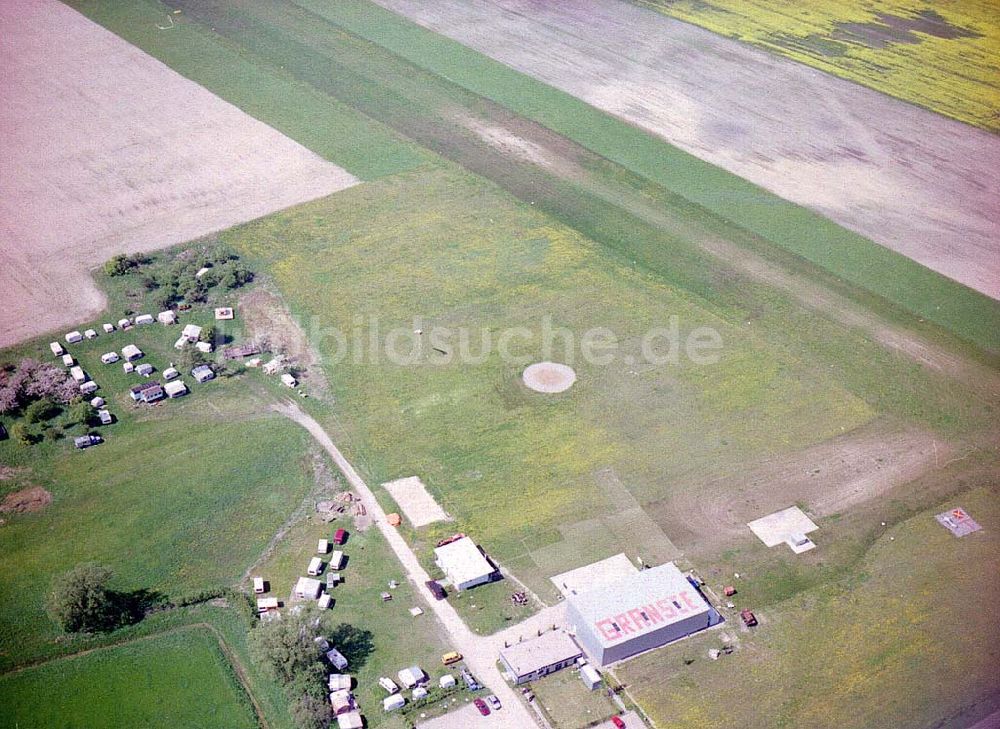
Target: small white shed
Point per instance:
(391, 703)
(590, 676)
(336, 560)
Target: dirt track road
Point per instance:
(105, 150)
(907, 178)
(480, 652)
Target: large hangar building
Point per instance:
(640, 611)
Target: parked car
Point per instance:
(493, 701)
(483, 708)
(451, 657)
(436, 590)
(749, 619)
(618, 722)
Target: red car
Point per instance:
(618, 722)
(340, 536)
(483, 708)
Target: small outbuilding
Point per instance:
(341, 701)
(265, 604)
(446, 681)
(191, 332)
(350, 720)
(128, 367)
(464, 564)
(166, 317)
(339, 682)
(131, 352)
(590, 676)
(307, 588)
(203, 373)
(412, 676)
(391, 703)
(147, 392)
(175, 389)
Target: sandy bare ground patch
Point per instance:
(416, 501)
(269, 320)
(106, 150)
(828, 478)
(26, 500)
(905, 177)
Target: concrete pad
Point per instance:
(779, 527)
(958, 522)
(415, 501)
(603, 572)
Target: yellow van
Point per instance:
(452, 657)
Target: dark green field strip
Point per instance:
(331, 129)
(856, 259)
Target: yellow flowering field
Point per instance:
(942, 55)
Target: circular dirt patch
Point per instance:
(549, 377)
(21, 502)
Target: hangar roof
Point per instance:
(638, 603)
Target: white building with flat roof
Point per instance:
(638, 612)
(531, 659)
(464, 564)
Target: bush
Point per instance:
(20, 433)
(40, 410)
(310, 712)
(81, 601)
(118, 266)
